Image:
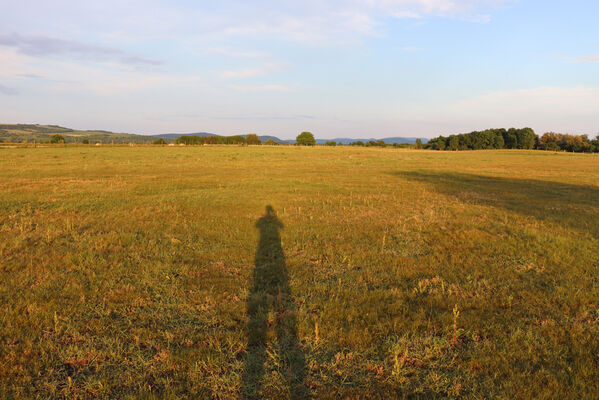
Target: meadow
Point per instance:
(292, 272)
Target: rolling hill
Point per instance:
(17, 133)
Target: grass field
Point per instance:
(276, 272)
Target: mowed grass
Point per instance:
(158, 272)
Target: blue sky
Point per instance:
(344, 68)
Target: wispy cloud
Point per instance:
(73, 76)
(8, 90)
(591, 58)
(259, 88)
(43, 46)
(308, 21)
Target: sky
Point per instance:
(340, 68)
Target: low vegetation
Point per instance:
(275, 272)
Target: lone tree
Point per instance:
(305, 139)
(252, 138)
(159, 141)
(418, 144)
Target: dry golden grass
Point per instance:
(140, 272)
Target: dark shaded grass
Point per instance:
(572, 206)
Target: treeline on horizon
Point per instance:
(201, 140)
(524, 138)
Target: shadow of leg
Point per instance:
(256, 351)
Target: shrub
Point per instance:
(159, 141)
(57, 139)
(85, 141)
(330, 143)
(270, 142)
(190, 139)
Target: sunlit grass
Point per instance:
(127, 271)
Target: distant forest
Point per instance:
(513, 138)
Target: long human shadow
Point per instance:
(568, 205)
(271, 292)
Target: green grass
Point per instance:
(156, 272)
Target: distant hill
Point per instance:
(264, 138)
(17, 133)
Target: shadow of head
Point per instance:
(269, 224)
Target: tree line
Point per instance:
(303, 139)
(250, 139)
(524, 138)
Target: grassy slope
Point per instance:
(17, 133)
(131, 271)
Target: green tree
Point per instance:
(85, 141)
(330, 143)
(454, 142)
(252, 138)
(418, 143)
(499, 143)
(511, 138)
(57, 139)
(526, 138)
(159, 141)
(305, 139)
(270, 142)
